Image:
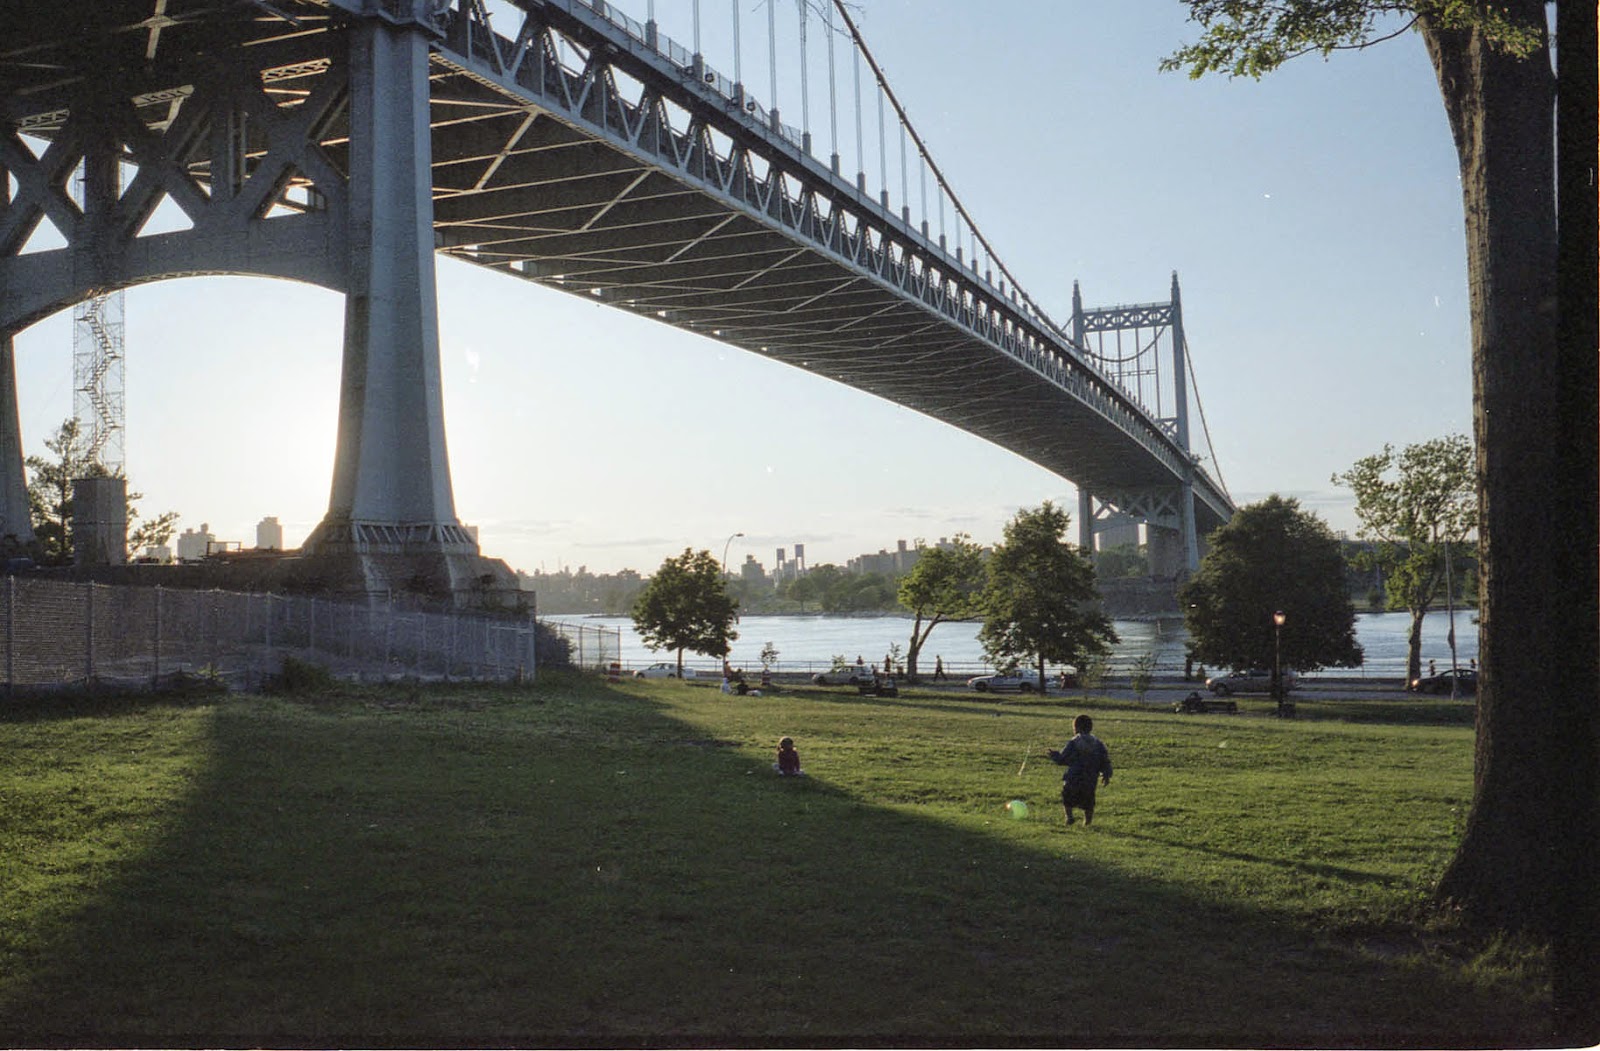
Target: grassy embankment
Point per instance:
(582, 863)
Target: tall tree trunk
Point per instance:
(1501, 111)
(914, 647)
(1577, 947)
(1414, 645)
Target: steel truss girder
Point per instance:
(628, 180)
(1155, 506)
(262, 192)
(672, 123)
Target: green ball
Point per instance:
(1018, 809)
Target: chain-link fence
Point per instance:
(60, 633)
(588, 646)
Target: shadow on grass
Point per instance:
(1311, 870)
(475, 868)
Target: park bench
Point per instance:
(1195, 704)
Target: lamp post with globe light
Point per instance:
(1278, 620)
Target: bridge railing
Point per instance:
(56, 634)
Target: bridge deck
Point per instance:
(632, 182)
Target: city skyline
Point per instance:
(1314, 220)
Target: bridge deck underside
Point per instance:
(528, 195)
(524, 190)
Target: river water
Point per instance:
(810, 643)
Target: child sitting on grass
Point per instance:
(788, 764)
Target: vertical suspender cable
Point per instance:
(861, 153)
(772, 58)
(883, 155)
(922, 150)
(738, 69)
(833, 95)
(905, 181)
(697, 51)
(805, 89)
(922, 178)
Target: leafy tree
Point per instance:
(1418, 506)
(1530, 840)
(801, 590)
(857, 592)
(153, 532)
(1271, 557)
(50, 489)
(1142, 674)
(686, 607)
(1040, 595)
(50, 497)
(944, 584)
(1123, 560)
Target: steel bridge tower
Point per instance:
(311, 163)
(1126, 343)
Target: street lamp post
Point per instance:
(725, 553)
(1277, 658)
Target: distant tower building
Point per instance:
(269, 534)
(800, 557)
(193, 546)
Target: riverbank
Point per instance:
(809, 644)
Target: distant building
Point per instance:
(889, 563)
(193, 546)
(752, 571)
(269, 534)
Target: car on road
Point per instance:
(662, 670)
(1006, 682)
(849, 675)
(1252, 680)
(1465, 680)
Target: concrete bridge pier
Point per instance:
(16, 522)
(198, 128)
(391, 523)
(1166, 548)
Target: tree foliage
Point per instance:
(1271, 557)
(50, 481)
(1247, 38)
(50, 497)
(1418, 505)
(946, 583)
(686, 607)
(1039, 601)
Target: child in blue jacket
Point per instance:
(1087, 760)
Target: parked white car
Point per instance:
(1255, 680)
(850, 675)
(662, 670)
(1019, 681)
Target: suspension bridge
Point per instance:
(346, 142)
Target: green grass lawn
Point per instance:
(577, 863)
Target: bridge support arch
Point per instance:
(301, 164)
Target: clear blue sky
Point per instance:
(1314, 219)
